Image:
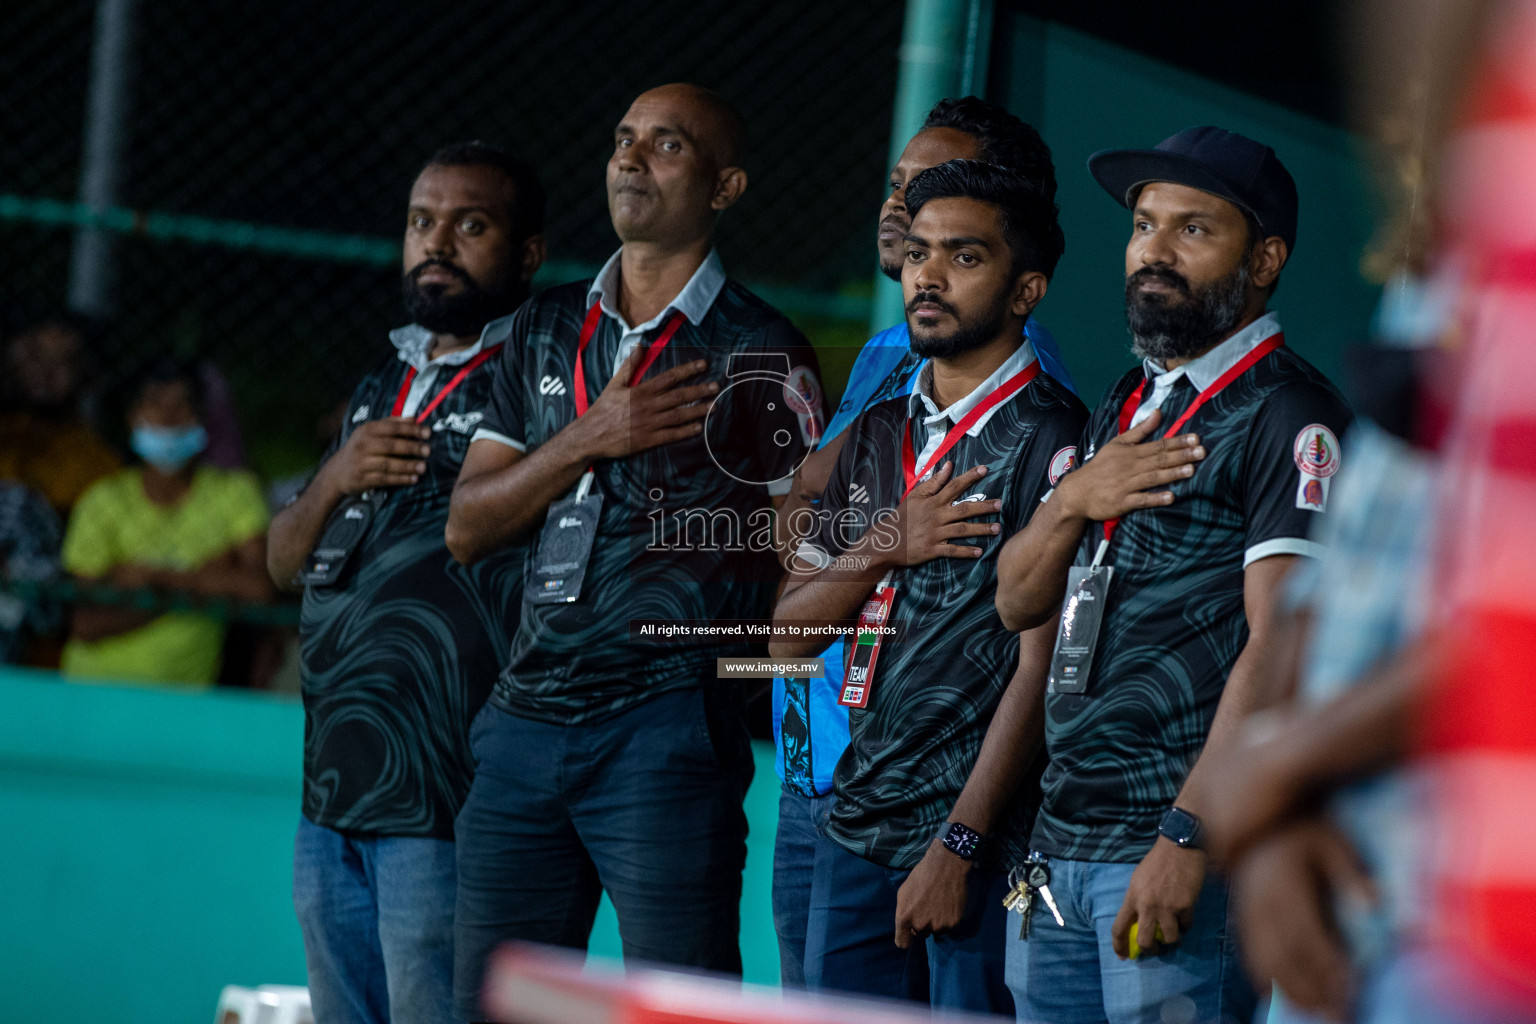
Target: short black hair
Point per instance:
(171, 370)
(1028, 217)
(1001, 137)
(528, 200)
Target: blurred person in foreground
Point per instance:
(1329, 894)
(924, 494)
(643, 427)
(1169, 548)
(45, 441)
(399, 643)
(171, 524)
(1385, 847)
(810, 726)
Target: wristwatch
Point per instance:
(963, 842)
(1182, 829)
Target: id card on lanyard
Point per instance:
(1082, 609)
(860, 674)
(860, 671)
(348, 522)
(564, 546)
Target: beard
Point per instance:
(1160, 331)
(464, 313)
(971, 332)
(891, 260)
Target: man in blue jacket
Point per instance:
(810, 727)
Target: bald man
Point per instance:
(643, 428)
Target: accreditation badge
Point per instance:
(1082, 612)
(339, 540)
(871, 630)
(564, 547)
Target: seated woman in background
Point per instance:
(173, 523)
(46, 442)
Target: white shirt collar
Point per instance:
(920, 402)
(1204, 371)
(693, 301)
(413, 343)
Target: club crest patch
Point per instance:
(1062, 463)
(1316, 451)
(803, 393)
(803, 390)
(1312, 494)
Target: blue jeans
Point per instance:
(377, 919)
(850, 946)
(645, 804)
(794, 864)
(1070, 975)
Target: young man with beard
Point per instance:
(923, 494)
(629, 409)
(1204, 470)
(400, 644)
(811, 728)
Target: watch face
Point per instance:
(961, 840)
(1180, 826)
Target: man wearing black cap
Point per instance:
(1204, 469)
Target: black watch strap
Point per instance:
(962, 841)
(1182, 829)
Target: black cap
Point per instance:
(1226, 164)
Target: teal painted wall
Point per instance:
(1085, 95)
(146, 849)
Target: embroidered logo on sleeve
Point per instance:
(551, 385)
(1062, 463)
(1316, 451)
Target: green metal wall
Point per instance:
(146, 847)
(1085, 95)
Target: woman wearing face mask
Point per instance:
(172, 523)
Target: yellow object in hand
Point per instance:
(1136, 951)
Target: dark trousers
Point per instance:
(850, 946)
(794, 866)
(645, 804)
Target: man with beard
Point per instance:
(1176, 543)
(923, 494)
(628, 410)
(400, 644)
(811, 727)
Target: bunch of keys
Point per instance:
(1034, 877)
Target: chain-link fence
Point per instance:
(255, 160)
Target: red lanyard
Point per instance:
(1003, 392)
(1241, 367)
(458, 378)
(589, 327)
